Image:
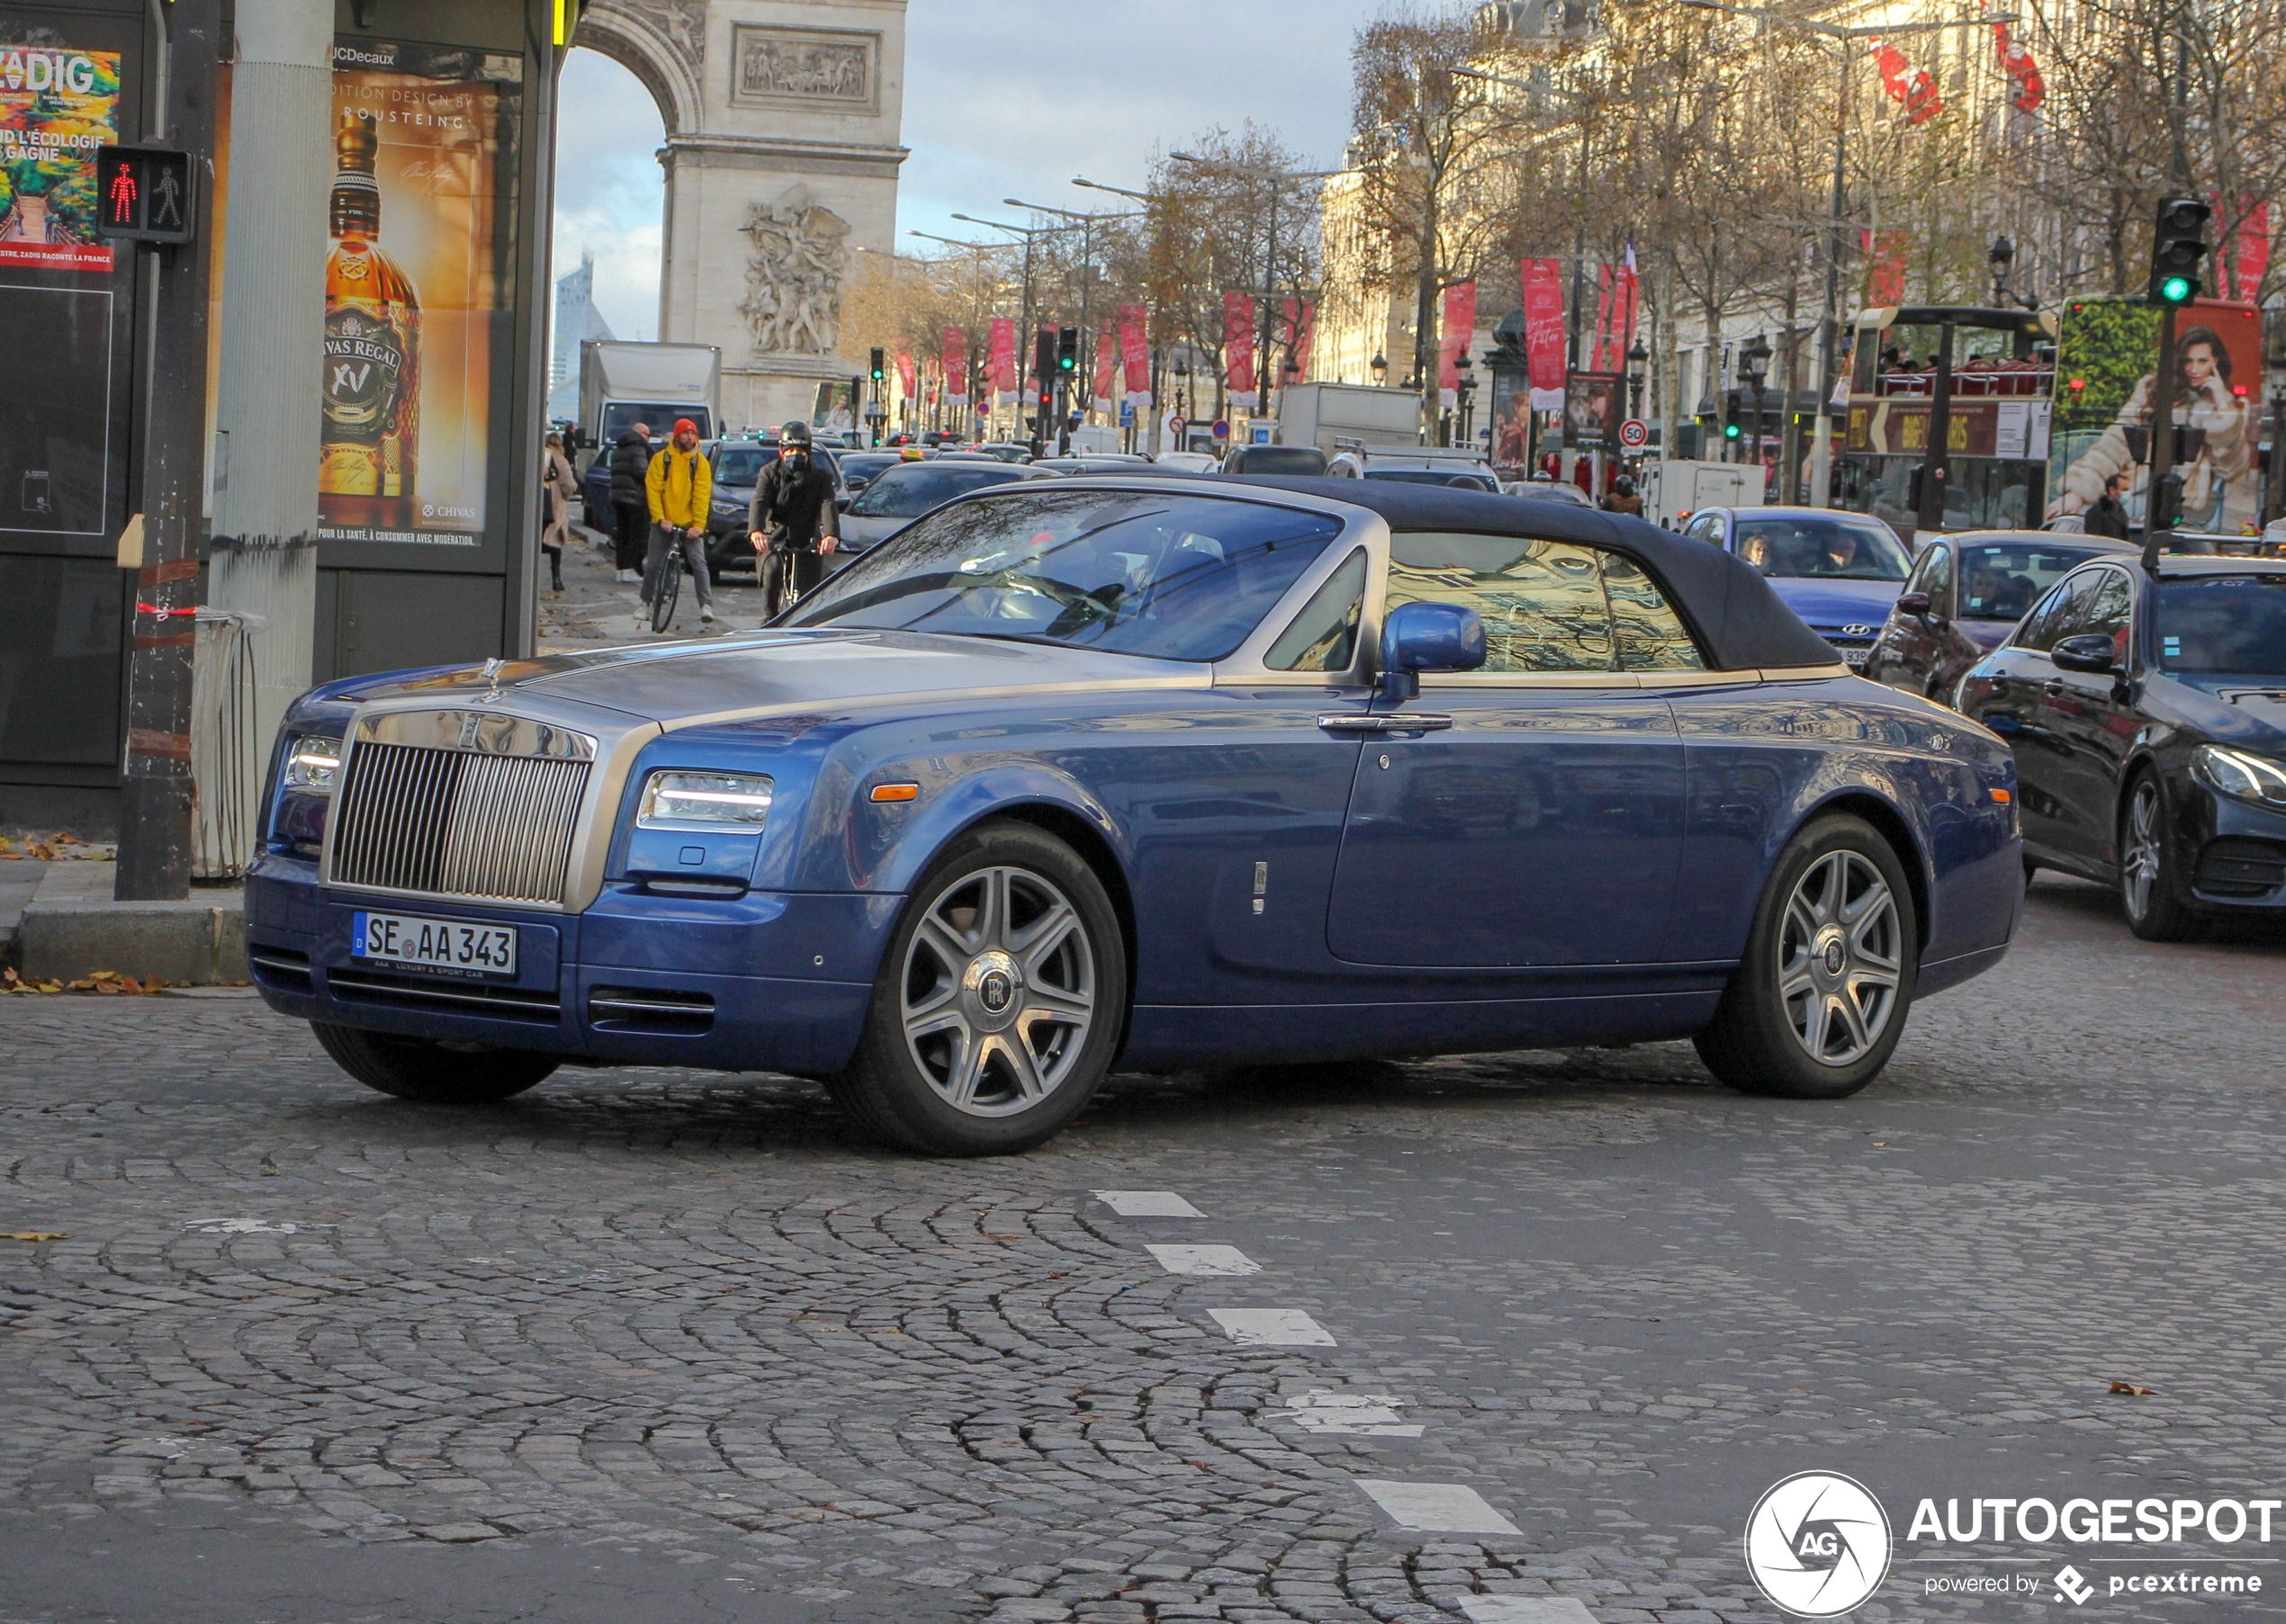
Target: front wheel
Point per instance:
(1817, 1006)
(662, 599)
(1000, 1003)
(2151, 881)
(430, 1073)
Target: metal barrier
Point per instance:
(222, 726)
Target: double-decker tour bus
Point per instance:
(1951, 409)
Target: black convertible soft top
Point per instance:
(1742, 623)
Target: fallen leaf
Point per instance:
(36, 1234)
(2131, 1390)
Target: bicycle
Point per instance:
(670, 584)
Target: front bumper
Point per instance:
(2238, 850)
(771, 981)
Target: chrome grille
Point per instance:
(451, 822)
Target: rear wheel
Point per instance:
(1817, 1006)
(413, 1068)
(662, 599)
(2151, 881)
(1000, 1003)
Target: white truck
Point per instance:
(1335, 418)
(1673, 490)
(622, 384)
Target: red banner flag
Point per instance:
(1135, 353)
(1238, 349)
(2016, 62)
(1004, 361)
(1308, 338)
(1458, 332)
(1107, 378)
(908, 382)
(1543, 332)
(955, 365)
(2251, 252)
(1907, 84)
(1884, 253)
(1614, 315)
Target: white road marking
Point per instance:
(1203, 1260)
(1526, 1609)
(243, 1226)
(1272, 1328)
(1147, 1204)
(1371, 1414)
(1444, 1508)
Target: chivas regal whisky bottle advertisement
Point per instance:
(421, 221)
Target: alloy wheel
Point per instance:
(1840, 957)
(999, 991)
(2140, 864)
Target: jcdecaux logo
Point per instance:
(1819, 1545)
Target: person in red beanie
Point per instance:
(679, 485)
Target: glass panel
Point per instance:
(2000, 579)
(1169, 575)
(1652, 635)
(1851, 549)
(1324, 635)
(2225, 625)
(909, 489)
(1542, 601)
(2053, 618)
(2109, 609)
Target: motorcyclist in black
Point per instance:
(792, 522)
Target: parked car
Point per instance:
(738, 467)
(1839, 571)
(1108, 465)
(1304, 459)
(902, 494)
(1008, 450)
(1460, 470)
(1547, 491)
(1967, 590)
(1164, 774)
(1188, 462)
(2147, 711)
(858, 467)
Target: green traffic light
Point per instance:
(2176, 289)
(1730, 431)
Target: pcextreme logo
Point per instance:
(1818, 1544)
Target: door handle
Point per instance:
(1384, 725)
(2053, 687)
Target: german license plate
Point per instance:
(448, 946)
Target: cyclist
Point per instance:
(793, 523)
(679, 485)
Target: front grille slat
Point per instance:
(458, 823)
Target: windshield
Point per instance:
(742, 464)
(909, 489)
(1999, 582)
(620, 416)
(2224, 626)
(1281, 459)
(1168, 575)
(1468, 478)
(1822, 547)
(865, 465)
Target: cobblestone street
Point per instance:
(651, 1344)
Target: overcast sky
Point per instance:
(1007, 99)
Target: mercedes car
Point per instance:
(1150, 773)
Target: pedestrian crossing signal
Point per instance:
(146, 194)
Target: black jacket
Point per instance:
(630, 460)
(794, 515)
(2107, 517)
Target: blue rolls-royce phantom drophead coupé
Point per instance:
(1149, 774)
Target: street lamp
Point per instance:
(1379, 366)
(1274, 179)
(1754, 371)
(1638, 364)
(1464, 391)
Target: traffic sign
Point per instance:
(1635, 434)
(1176, 426)
(146, 194)
(1221, 430)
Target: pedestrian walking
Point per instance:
(630, 463)
(678, 488)
(792, 522)
(558, 486)
(2108, 515)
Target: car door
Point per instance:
(1535, 817)
(2016, 708)
(1908, 650)
(2087, 724)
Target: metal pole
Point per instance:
(1830, 319)
(1936, 462)
(2166, 485)
(268, 402)
(2276, 506)
(1262, 372)
(154, 834)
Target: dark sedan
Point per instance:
(902, 494)
(1966, 594)
(2147, 710)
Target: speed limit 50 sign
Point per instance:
(1635, 434)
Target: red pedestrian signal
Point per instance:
(148, 194)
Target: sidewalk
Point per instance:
(70, 928)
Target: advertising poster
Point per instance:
(1135, 353)
(1237, 348)
(1591, 411)
(1511, 422)
(835, 411)
(2107, 358)
(57, 106)
(422, 223)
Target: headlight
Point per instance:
(682, 799)
(312, 765)
(2239, 774)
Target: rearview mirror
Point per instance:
(1427, 637)
(2089, 652)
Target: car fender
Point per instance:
(897, 863)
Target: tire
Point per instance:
(430, 1073)
(1006, 912)
(662, 602)
(2031, 869)
(2152, 883)
(1789, 1024)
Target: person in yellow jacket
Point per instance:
(681, 484)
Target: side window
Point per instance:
(1934, 575)
(1542, 601)
(2052, 617)
(1706, 527)
(2107, 612)
(1324, 635)
(1650, 636)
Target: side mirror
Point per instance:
(2089, 652)
(1915, 603)
(842, 504)
(1427, 637)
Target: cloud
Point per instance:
(609, 192)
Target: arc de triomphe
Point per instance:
(781, 161)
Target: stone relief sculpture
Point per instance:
(777, 64)
(683, 22)
(794, 277)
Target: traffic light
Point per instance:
(144, 194)
(1730, 431)
(880, 371)
(1044, 355)
(2178, 243)
(1068, 350)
